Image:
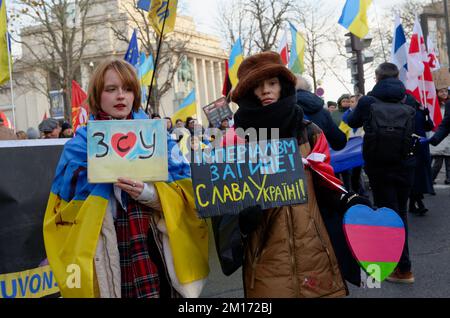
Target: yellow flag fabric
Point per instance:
(75, 212)
(4, 56)
(188, 234)
(161, 10)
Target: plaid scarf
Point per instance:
(139, 273)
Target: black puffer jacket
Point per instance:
(313, 109)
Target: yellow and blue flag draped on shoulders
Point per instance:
(76, 208)
(4, 53)
(188, 234)
(297, 57)
(161, 10)
(188, 107)
(354, 17)
(236, 58)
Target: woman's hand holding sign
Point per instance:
(133, 188)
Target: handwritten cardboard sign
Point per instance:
(136, 149)
(227, 180)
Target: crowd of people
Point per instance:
(291, 251)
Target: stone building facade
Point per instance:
(205, 59)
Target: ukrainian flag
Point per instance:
(76, 208)
(4, 54)
(163, 12)
(354, 17)
(146, 69)
(297, 58)
(188, 108)
(236, 58)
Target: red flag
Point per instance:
(226, 82)
(419, 81)
(319, 162)
(283, 49)
(79, 107)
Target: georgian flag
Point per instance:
(419, 81)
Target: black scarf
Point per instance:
(284, 114)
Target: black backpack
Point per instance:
(389, 130)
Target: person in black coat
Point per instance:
(314, 111)
(443, 129)
(423, 180)
(391, 184)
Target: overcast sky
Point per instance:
(205, 14)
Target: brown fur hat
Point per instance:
(257, 68)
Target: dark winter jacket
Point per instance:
(312, 106)
(443, 129)
(389, 90)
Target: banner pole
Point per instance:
(10, 70)
(150, 88)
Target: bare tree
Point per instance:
(172, 51)
(55, 45)
(313, 21)
(257, 22)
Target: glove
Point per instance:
(249, 219)
(423, 140)
(351, 198)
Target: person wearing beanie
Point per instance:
(288, 252)
(344, 102)
(66, 130)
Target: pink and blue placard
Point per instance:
(376, 238)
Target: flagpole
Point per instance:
(10, 71)
(157, 56)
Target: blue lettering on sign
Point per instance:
(228, 171)
(21, 286)
(34, 278)
(48, 281)
(4, 292)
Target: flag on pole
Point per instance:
(419, 81)
(433, 55)
(132, 55)
(187, 108)
(4, 53)
(144, 5)
(160, 11)
(283, 49)
(80, 109)
(236, 58)
(354, 17)
(145, 70)
(226, 88)
(399, 52)
(296, 60)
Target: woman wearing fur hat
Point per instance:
(288, 251)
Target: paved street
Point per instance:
(429, 248)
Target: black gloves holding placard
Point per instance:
(350, 199)
(249, 219)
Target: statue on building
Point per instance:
(185, 73)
